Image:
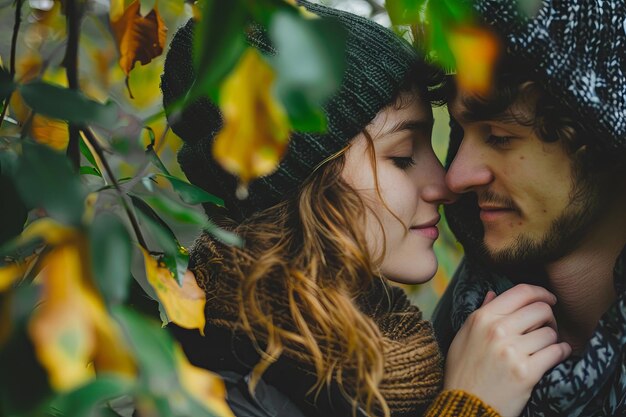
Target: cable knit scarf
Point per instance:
(592, 385)
(413, 372)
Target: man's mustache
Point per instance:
(491, 198)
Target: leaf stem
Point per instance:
(90, 137)
(71, 69)
(16, 29)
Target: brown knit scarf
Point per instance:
(413, 371)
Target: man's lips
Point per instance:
(490, 213)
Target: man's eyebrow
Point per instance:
(413, 125)
(468, 116)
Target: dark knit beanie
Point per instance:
(378, 63)
(578, 50)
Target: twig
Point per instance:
(71, 70)
(16, 29)
(90, 137)
(144, 167)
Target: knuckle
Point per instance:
(477, 318)
(508, 354)
(551, 334)
(497, 331)
(526, 289)
(520, 371)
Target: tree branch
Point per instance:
(16, 29)
(71, 69)
(91, 138)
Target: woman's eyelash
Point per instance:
(498, 140)
(403, 162)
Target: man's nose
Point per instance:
(468, 170)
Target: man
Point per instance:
(541, 165)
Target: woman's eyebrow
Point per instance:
(420, 125)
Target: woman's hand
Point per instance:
(505, 347)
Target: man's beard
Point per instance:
(586, 204)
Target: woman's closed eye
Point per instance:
(403, 162)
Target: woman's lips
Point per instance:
(431, 232)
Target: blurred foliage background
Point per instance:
(95, 214)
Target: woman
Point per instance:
(303, 320)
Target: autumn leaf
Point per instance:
(11, 273)
(44, 130)
(71, 328)
(256, 127)
(204, 386)
(139, 38)
(183, 305)
(475, 51)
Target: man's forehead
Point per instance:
(466, 108)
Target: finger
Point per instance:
(519, 296)
(545, 359)
(529, 318)
(536, 340)
(488, 298)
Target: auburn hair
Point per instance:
(311, 249)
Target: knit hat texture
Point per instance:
(377, 64)
(578, 49)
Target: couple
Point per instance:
(303, 321)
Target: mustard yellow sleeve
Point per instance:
(456, 403)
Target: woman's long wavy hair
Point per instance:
(311, 249)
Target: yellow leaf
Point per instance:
(203, 385)
(11, 273)
(49, 230)
(116, 10)
(71, 328)
(303, 10)
(50, 132)
(183, 305)
(60, 329)
(256, 127)
(28, 68)
(475, 51)
(139, 38)
(15, 270)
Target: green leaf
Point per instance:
(160, 389)
(219, 41)
(175, 210)
(404, 12)
(191, 194)
(156, 161)
(111, 252)
(84, 149)
(6, 84)
(65, 104)
(44, 178)
(13, 211)
(86, 400)
(310, 65)
(176, 256)
(153, 348)
(224, 236)
(85, 170)
(303, 115)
